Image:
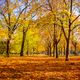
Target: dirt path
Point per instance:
(39, 68)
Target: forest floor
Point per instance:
(39, 68)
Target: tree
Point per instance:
(53, 8)
(15, 9)
(24, 30)
(7, 13)
(70, 23)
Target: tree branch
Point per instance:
(75, 27)
(50, 5)
(62, 28)
(75, 19)
(20, 15)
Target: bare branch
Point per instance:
(20, 15)
(75, 19)
(62, 28)
(50, 5)
(75, 27)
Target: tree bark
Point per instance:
(53, 49)
(23, 41)
(50, 49)
(7, 51)
(54, 39)
(64, 50)
(27, 49)
(56, 51)
(47, 50)
(67, 50)
(8, 44)
(75, 48)
(61, 51)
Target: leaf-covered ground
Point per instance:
(39, 68)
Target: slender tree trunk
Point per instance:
(53, 49)
(23, 41)
(64, 49)
(61, 51)
(9, 31)
(47, 50)
(67, 50)
(8, 44)
(69, 31)
(75, 46)
(27, 52)
(75, 50)
(54, 40)
(56, 50)
(50, 49)
(7, 51)
(27, 49)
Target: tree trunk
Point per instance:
(27, 52)
(75, 49)
(64, 49)
(54, 39)
(27, 48)
(68, 39)
(67, 50)
(8, 44)
(23, 41)
(50, 49)
(53, 49)
(7, 51)
(47, 50)
(56, 51)
(61, 51)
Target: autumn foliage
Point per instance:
(46, 29)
